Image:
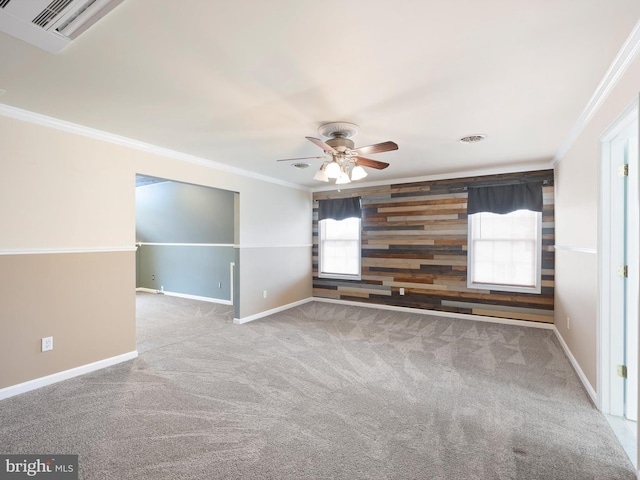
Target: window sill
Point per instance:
(505, 288)
(338, 276)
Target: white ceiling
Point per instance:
(242, 83)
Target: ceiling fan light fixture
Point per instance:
(343, 178)
(320, 175)
(358, 173)
(342, 162)
(333, 170)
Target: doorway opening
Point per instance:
(619, 262)
(186, 238)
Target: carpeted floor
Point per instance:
(322, 391)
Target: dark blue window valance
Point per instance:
(505, 198)
(339, 208)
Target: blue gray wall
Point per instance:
(179, 213)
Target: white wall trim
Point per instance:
(234, 245)
(160, 244)
(266, 313)
(146, 290)
(570, 248)
(49, 251)
(576, 366)
(185, 295)
(619, 65)
(51, 122)
(628, 116)
(436, 313)
(295, 245)
(65, 375)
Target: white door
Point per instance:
(619, 246)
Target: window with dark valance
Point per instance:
(505, 198)
(339, 208)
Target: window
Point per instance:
(339, 248)
(505, 251)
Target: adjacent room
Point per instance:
(291, 240)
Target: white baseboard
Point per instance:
(463, 316)
(576, 366)
(146, 290)
(240, 321)
(437, 313)
(184, 295)
(65, 375)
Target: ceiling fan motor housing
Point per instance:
(339, 134)
(338, 129)
(340, 144)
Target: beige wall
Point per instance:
(86, 301)
(59, 190)
(284, 272)
(577, 184)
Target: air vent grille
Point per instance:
(50, 12)
(4, 3)
(75, 15)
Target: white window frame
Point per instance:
(338, 275)
(537, 288)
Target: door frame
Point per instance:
(609, 386)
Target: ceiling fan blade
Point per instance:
(367, 162)
(321, 144)
(299, 158)
(377, 148)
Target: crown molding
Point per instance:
(619, 65)
(530, 167)
(77, 129)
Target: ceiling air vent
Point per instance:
(52, 10)
(51, 25)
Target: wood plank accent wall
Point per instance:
(414, 236)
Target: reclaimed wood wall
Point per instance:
(414, 236)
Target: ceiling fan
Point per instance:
(343, 162)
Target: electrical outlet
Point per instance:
(401, 291)
(153, 277)
(47, 344)
(264, 294)
(568, 323)
(219, 284)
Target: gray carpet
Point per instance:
(322, 391)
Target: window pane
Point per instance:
(340, 246)
(504, 248)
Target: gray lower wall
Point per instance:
(191, 270)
